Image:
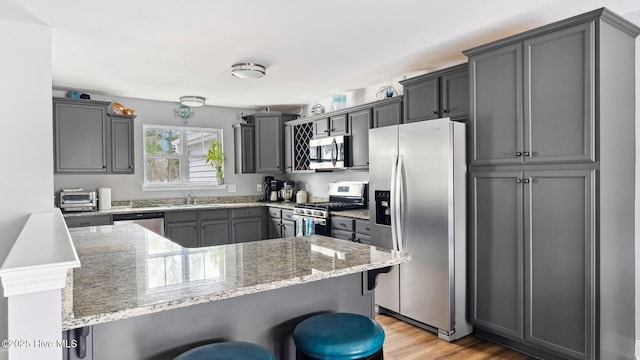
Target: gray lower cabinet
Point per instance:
(346, 228)
(532, 254)
(360, 123)
(89, 220)
(281, 223)
(88, 140)
(247, 224)
(198, 228)
(388, 114)
(182, 227)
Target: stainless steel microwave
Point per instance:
(329, 153)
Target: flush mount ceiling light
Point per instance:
(192, 101)
(248, 70)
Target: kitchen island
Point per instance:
(146, 297)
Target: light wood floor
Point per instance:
(404, 341)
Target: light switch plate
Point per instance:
(259, 188)
(231, 188)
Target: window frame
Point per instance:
(183, 157)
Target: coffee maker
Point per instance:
(276, 186)
(266, 187)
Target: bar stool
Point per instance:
(338, 336)
(228, 350)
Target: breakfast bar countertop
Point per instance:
(127, 270)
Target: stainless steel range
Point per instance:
(342, 196)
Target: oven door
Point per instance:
(329, 152)
(310, 225)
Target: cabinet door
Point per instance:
(338, 125)
(360, 123)
(387, 115)
(288, 148)
(422, 100)
(122, 146)
(80, 138)
(275, 228)
(497, 252)
(496, 106)
(79, 221)
(455, 95)
(246, 229)
(559, 88)
(244, 148)
(288, 228)
(320, 128)
(215, 232)
(183, 233)
(269, 137)
(559, 248)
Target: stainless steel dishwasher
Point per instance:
(152, 220)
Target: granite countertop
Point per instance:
(129, 271)
(358, 213)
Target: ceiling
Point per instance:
(161, 50)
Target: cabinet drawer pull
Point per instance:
(526, 153)
(343, 224)
(518, 154)
(526, 181)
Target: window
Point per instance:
(176, 155)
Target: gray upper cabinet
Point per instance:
(496, 109)
(333, 125)
(388, 114)
(244, 148)
(422, 100)
(87, 140)
(80, 136)
(555, 76)
(559, 88)
(122, 153)
(269, 144)
(443, 93)
(259, 144)
(360, 123)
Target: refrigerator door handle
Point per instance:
(400, 203)
(394, 225)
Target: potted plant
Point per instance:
(215, 158)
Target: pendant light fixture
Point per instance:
(248, 70)
(192, 100)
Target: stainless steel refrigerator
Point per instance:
(417, 190)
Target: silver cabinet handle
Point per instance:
(518, 154)
(518, 181)
(526, 153)
(526, 181)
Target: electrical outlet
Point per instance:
(231, 188)
(259, 188)
(306, 187)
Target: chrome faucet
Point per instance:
(191, 199)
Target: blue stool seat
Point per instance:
(338, 336)
(228, 350)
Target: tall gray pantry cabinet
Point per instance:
(552, 188)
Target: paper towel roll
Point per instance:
(104, 199)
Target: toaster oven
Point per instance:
(77, 200)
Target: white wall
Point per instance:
(26, 178)
(127, 187)
(635, 17)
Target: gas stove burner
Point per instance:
(342, 196)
